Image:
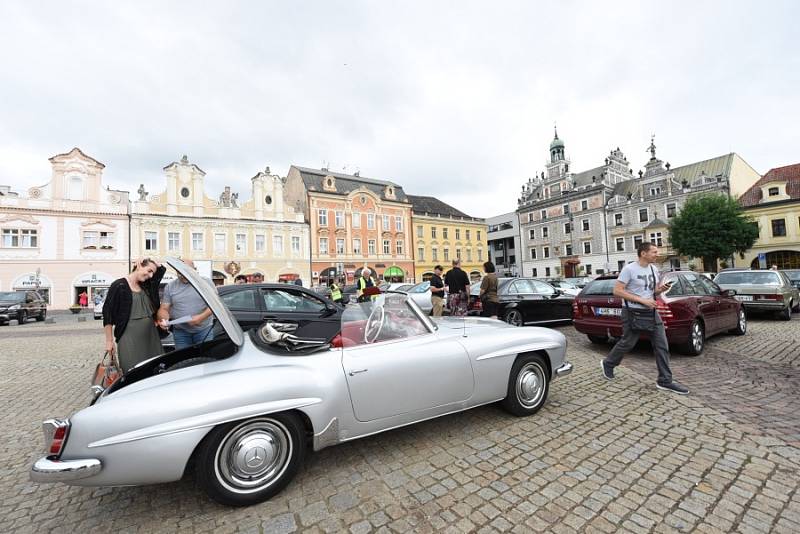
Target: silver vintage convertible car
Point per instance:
(247, 407)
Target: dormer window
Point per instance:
(329, 183)
(388, 192)
(774, 191)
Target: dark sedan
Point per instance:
(526, 301)
(289, 308)
(694, 309)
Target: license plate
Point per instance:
(611, 312)
(744, 298)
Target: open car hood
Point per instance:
(209, 293)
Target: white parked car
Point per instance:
(245, 408)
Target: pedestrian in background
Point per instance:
(437, 291)
(129, 314)
(181, 300)
(258, 278)
(240, 279)
(457, 283)
(298, 282)
(83, 299)
(364, 281)
(489, 299)
(638, 286)
(336, 292)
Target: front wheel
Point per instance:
(247, 462)
(697, 339)
(42, 316)
(528, 384)
(796, 307)
(513, 317)
(741, 324)
(22, 317)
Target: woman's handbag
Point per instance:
(106, 372)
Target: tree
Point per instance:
(712, 227)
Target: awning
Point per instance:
(394, 270)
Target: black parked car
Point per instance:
(294, 309)
(525, 301)
(21, 305)
(794, 276)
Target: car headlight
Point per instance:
(14, 307)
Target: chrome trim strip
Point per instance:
(206, 420)
(47, 470)
(513, 351)
(564, 370)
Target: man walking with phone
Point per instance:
(638, 286)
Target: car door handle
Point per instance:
(357, 371)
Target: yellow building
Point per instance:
(224, 237)
(774, 203)
(441, 233)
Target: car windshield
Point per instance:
(600, 287)
(747, 277)
(422, 287)
(10, 295)
(390, 316)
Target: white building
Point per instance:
(66, 236)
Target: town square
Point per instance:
(425, 267)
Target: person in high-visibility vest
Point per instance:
(336, 292)
(366, 280)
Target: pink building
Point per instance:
(64, 237)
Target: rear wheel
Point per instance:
(247, 462)
(786, 313)
(513, 317)
(741, 324)
(597, 340)
(697, 339)
(528, 385)
(22, 317)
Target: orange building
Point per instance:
(354, 222)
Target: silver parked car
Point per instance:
(247, 407)
(762, 291)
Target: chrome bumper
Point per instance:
(47, 470)
(564, 370)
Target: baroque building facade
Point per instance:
(774, 204)
(224, 237)
(355, 222)
(590, 222)
(65, 237)
(441, 234)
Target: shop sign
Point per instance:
(31, 281)
(93, 279)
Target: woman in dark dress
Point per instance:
(129, 314)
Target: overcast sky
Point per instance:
(451, 99)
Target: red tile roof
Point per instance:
(789, 174)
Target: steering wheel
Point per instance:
(374, 324)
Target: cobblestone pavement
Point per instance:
(600, 456)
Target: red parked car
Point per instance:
(693, 309)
